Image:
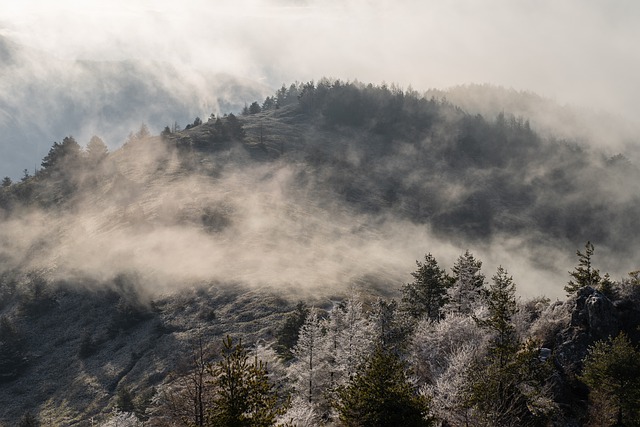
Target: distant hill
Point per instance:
(345, 153)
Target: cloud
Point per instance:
(256, 224)
(574, 51)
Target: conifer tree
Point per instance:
(349, 339)
(96, 150)
(310, 368)
(62, 155)
(390, 327)
(612, 372)
(467, 289)
(287, 336)
(381, 395)
(427, 294)
(502, 306)
(254, 108)
(584, 274)
(508, 386)
(242, 394)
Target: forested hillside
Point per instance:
(293, 228)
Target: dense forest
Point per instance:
(244, 271)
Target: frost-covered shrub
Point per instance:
(301, 413)
(122, 419)
(448, 392)
(528, 313)
(435, 343)
(551, 321)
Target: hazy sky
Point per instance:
(575, 51)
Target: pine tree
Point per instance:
(502, 306)
(607, 287)
(507, 387)
(287, 336)
(612, 372)
(96, 150)
(269, 103)
(243, 395)
(381, 395)
(254, 108)
(390, 325)
(584, 274)
(143, 132)
(309, 369)
(349, 339)
(62, 155)
(466, 292)
(427, 294)
(234, 127)
(124, 400)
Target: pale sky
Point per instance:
(574, 51)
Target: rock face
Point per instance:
(593, 317)
(594, 314)
(602, 317)
(590, 316)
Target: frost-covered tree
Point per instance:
(187, 399)
(427, 294)
(467, 289)
(448, 392)
(391, 326)
(434, 344)
(309, 371)
(349, 339)
(300, 413)
(122, 419)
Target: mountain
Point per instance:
(115, 264)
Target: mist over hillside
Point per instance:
(342, 184)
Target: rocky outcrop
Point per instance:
(593, 317)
